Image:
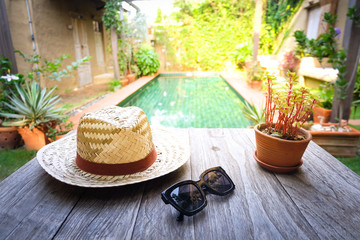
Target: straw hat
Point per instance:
(113, 147)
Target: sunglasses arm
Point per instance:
(180, 218)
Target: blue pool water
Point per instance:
(189, 102)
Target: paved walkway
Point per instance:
(112, 99)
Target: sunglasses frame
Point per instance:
(202, 186)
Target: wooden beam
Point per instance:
(6, 45)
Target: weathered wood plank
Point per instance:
(108, 213)
(326, 192)
(320, 200)
(33, 205)
(157, 220)
(259, 206)
(113, 213)
(131, 212)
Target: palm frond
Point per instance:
(253, 113)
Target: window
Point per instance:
(97, 26)
(312, 30)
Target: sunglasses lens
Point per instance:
(218, 181)
(188, 197)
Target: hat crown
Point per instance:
(114, 135)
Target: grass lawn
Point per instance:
(351, 162)
(11, 160)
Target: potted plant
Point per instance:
(322, 110)
(280, 141)
(61, 129)
(34, 113)
(9, 136)
(290, 62)
(254, 74)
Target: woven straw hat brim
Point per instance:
(58, 159)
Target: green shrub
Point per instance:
(7, 84)
(115, 85)
(242, 54)
(147, 60)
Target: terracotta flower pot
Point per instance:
(9, 138)
(255, 84)
(341, 144)
(281, 155)
(124, 82)
(320, 111)
(131, 77)
(34, 139)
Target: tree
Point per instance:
(257, 28)
(112, 20)
(341, 106)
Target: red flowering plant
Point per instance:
(289, 62)
(287, 108)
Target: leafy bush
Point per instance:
(7, 83)
(325, 92)
(50, 68)
(242, 54)
(254, 72)
(147, 61)
(114, 85)
(324, 46)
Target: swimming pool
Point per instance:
(189, 102)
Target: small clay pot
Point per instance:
(320, 111)
(9, 138)
(280, 153)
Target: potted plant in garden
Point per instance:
(9, 136)
(322, 110)
(61, 129)
(254, 74)
(34, 113)
(290, 62)
(280, 141)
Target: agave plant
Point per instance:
(253, 113)
(32, 106)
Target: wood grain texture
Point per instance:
(108, 213)
(326, 192)
(318, 201)
(156, 220)
(258, 207)
(33, 205)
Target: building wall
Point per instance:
(300, 21)
(20, 31)
(53, 33)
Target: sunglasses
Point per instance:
(188, 197)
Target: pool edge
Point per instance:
(115, 98)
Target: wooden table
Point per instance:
(321, 200)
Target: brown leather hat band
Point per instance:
(116, 169)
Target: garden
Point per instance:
(200, 36)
